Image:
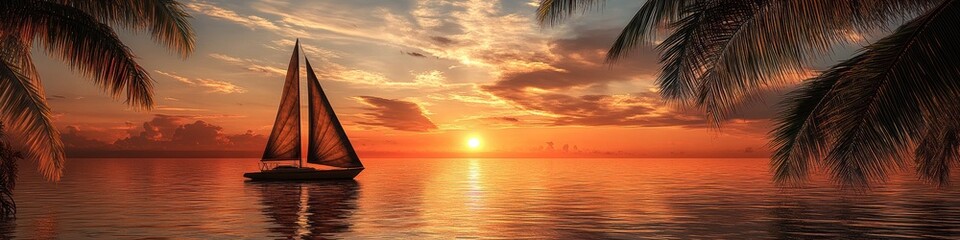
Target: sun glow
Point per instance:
(473, 143)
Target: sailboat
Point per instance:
(327, 143)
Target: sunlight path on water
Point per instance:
(469, 198)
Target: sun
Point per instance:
(473, 143)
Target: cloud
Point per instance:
(166, 132)
(552, 76)
(490, 121)
(250, 21)
(227, 58)
(414, 54)
(73, 139)
(199, 134)
(247, 141)
(474, 95)
(469, 32)
(175, 77)
(56, 97)
(424, 80)
(161, 127)
(598, 110)
(551, 91)
(215, 86)
(217, 116)
(178, 109)
(337, 20)
(395, 114)
(472, 33)
(580, 59)
(443, 41)
(576, 89)
(309, 50)
(249, 64)
(212, 86)
(505, 119)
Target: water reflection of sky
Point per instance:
(485, 198)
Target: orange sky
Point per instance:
(407, 78)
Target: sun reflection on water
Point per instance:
(469, 198)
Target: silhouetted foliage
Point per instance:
(81, 34)
(8, 177)
(857, 121)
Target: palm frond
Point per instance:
(165, 19)
(88, 46)
(878, 106)
(23, 107)
(937, 152)
(645, 24)
(796, 137)
(772, 40)
(686, 54)
(681, 60)
(552, 12)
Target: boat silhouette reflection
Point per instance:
(308, 209)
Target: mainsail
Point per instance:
(328, 143)
(284, 142)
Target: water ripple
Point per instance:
(470, 198)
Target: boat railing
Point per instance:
(267, 166)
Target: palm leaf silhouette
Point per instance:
(858, 120)
(79, 33)
(888, 96)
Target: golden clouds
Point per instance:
(211, 86)
(490, 57)
(249, 64)
(250, 21)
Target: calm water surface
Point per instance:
(469, 198)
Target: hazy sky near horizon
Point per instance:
(406, 77)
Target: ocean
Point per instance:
(470, 198)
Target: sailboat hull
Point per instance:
(303, 174)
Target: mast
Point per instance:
(284, 142)
(296, 47)
(327, 143)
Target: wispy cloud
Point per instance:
(310, 51)
(426, 81)
(330, 18)
(474, 95)
(415, 54)
(472, 33)
(469, 32)
(219, 86)
(492, 120)
(248, 64)
(178, 109)
(56, 97)
(175, 77)
(251, 21)
(212, 86)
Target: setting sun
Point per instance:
(473, 143)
